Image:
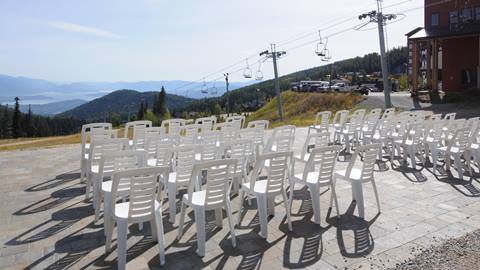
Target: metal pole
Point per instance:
(277, 82)
(386, 85)
(228, 98)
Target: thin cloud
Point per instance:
(77, 28)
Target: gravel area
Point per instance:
(459, 253)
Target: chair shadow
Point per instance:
(66, 217)
(363, 239)
(469, 189)
(57, 181)
(407, 171)
(55, 199)
(312, 248)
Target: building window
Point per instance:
(453, 16)
(467, 14)
(434, 21)
(477, 13)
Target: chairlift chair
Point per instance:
(247, 72)
(213, 90)
(204, 88)
(320, 46)
(259, 73)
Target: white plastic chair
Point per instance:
(266, 190)
(141, 207)
(474, 146)
(214, 196)
(318, 172)
(283, 132)
(184, 157)
(321, 123)
(173, 126)
(339, 121)
(411, 143)
(359, 175)
(206, 123)
(237, 121)
(241, 151)
(142, 134)
(159, 152)
(313, 140)
(457, 147)
(89, 133)
(258, 123)
(110, 163)
(139, 125)
(350, 134)
(96, 151)
(433, 136)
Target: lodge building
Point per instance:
(445, 53)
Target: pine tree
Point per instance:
(141, 111)
(16, 119)
(162, 108)
(29, 122)
(155, 104)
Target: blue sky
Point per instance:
(132, 40)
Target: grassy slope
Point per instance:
(300, 108)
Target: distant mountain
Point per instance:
(35, 89)
(122, 102)
(53, 108)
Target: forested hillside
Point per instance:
(14, 124)
(122, 103)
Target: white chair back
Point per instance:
(100, 147)
(322, 119)
(134, 124)
(258, 123)
(183, 161)
(366, 155)
(173, 126)
(322, 161)
(277, 171)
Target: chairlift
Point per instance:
(213, 90)
(325, 54)
(247, 72)
(320, 46)
(204, 88)
(259, 73)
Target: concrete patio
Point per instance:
(46, 224)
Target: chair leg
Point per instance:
(160, 235)
(315, 196)
(219, 217)
(285, 202)
(200, 224)
(109, 233)
(333, 196)
(262, 214)
(357, 189)
(106, 212)
(172, 204)
(182, 220)
(375, 191)
(122, 243)
(458, 164)
(228, 207)
(240, 207)
(97, 200)
(412, 157)
(290, 198)
(88, 186)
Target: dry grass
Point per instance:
(31, 143)
(300, 108)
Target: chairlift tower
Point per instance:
(379, 18)
(228, 98)
(275, 55)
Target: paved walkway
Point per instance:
(45, 223)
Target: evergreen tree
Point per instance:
(155, 108)
(16, 119)
(29, 122)
(4, 120)
(161, 102)
(141, 111)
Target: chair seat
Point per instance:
(299, 157)
(122, 187)
(475, 146)
(312, 178)
(452, 150)
(94, 168)
(152, 162)
(260, 186)
(198, 198)
(407, 142)
(121, 210)
(355, 175)
(85, 156)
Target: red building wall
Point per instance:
(458, 54)
(443, 7)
